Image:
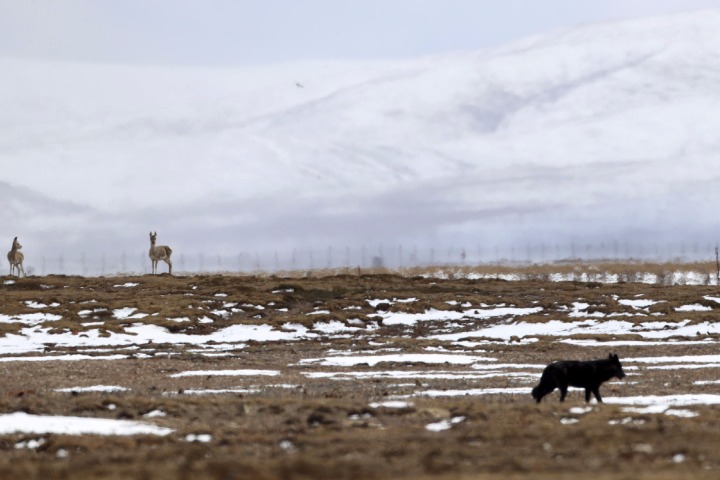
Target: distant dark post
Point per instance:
(717, 265)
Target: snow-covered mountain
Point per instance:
(601, 133)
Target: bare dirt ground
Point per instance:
(324, 420)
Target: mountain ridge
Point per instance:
(575, 134)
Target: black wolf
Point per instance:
(588, 375)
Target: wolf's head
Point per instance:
(536, 394)
(617, 367)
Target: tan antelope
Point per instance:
(159, 253)
(15, 258)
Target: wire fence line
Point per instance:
(364, 257)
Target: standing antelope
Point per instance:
(159, 253)
(15, 258)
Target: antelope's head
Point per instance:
(153, 236)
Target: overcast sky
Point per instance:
(91, 127)
(241, 32)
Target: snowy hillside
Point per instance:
(595, 134)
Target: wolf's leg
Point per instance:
(563, 392)
(596, 392)
(587, 395)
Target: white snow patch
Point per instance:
(62, 358)
(155, 414)
(667, 401)
(695, 307)
(30, 318)
(95, 388)
(220, 391)
(34, 339)
(21, 422)
(333, 326)
(33, 304)
(654, 330)
(579, 310)
(638, 303)
(706, 382)
(444, 424)
(472, 392)
(287, 445)
(226, 373)
(403, 318)
(681, 412)
(372, 360)
(127, 312)
(676, 359)
(633, 343)
(32, 444)
(397, 374)
(688, 366)
(391, 404)
(375, 302)
(679, 458)
(503, 366)
(580, 410)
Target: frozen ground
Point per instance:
(351, 355)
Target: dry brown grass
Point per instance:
(295, 427)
